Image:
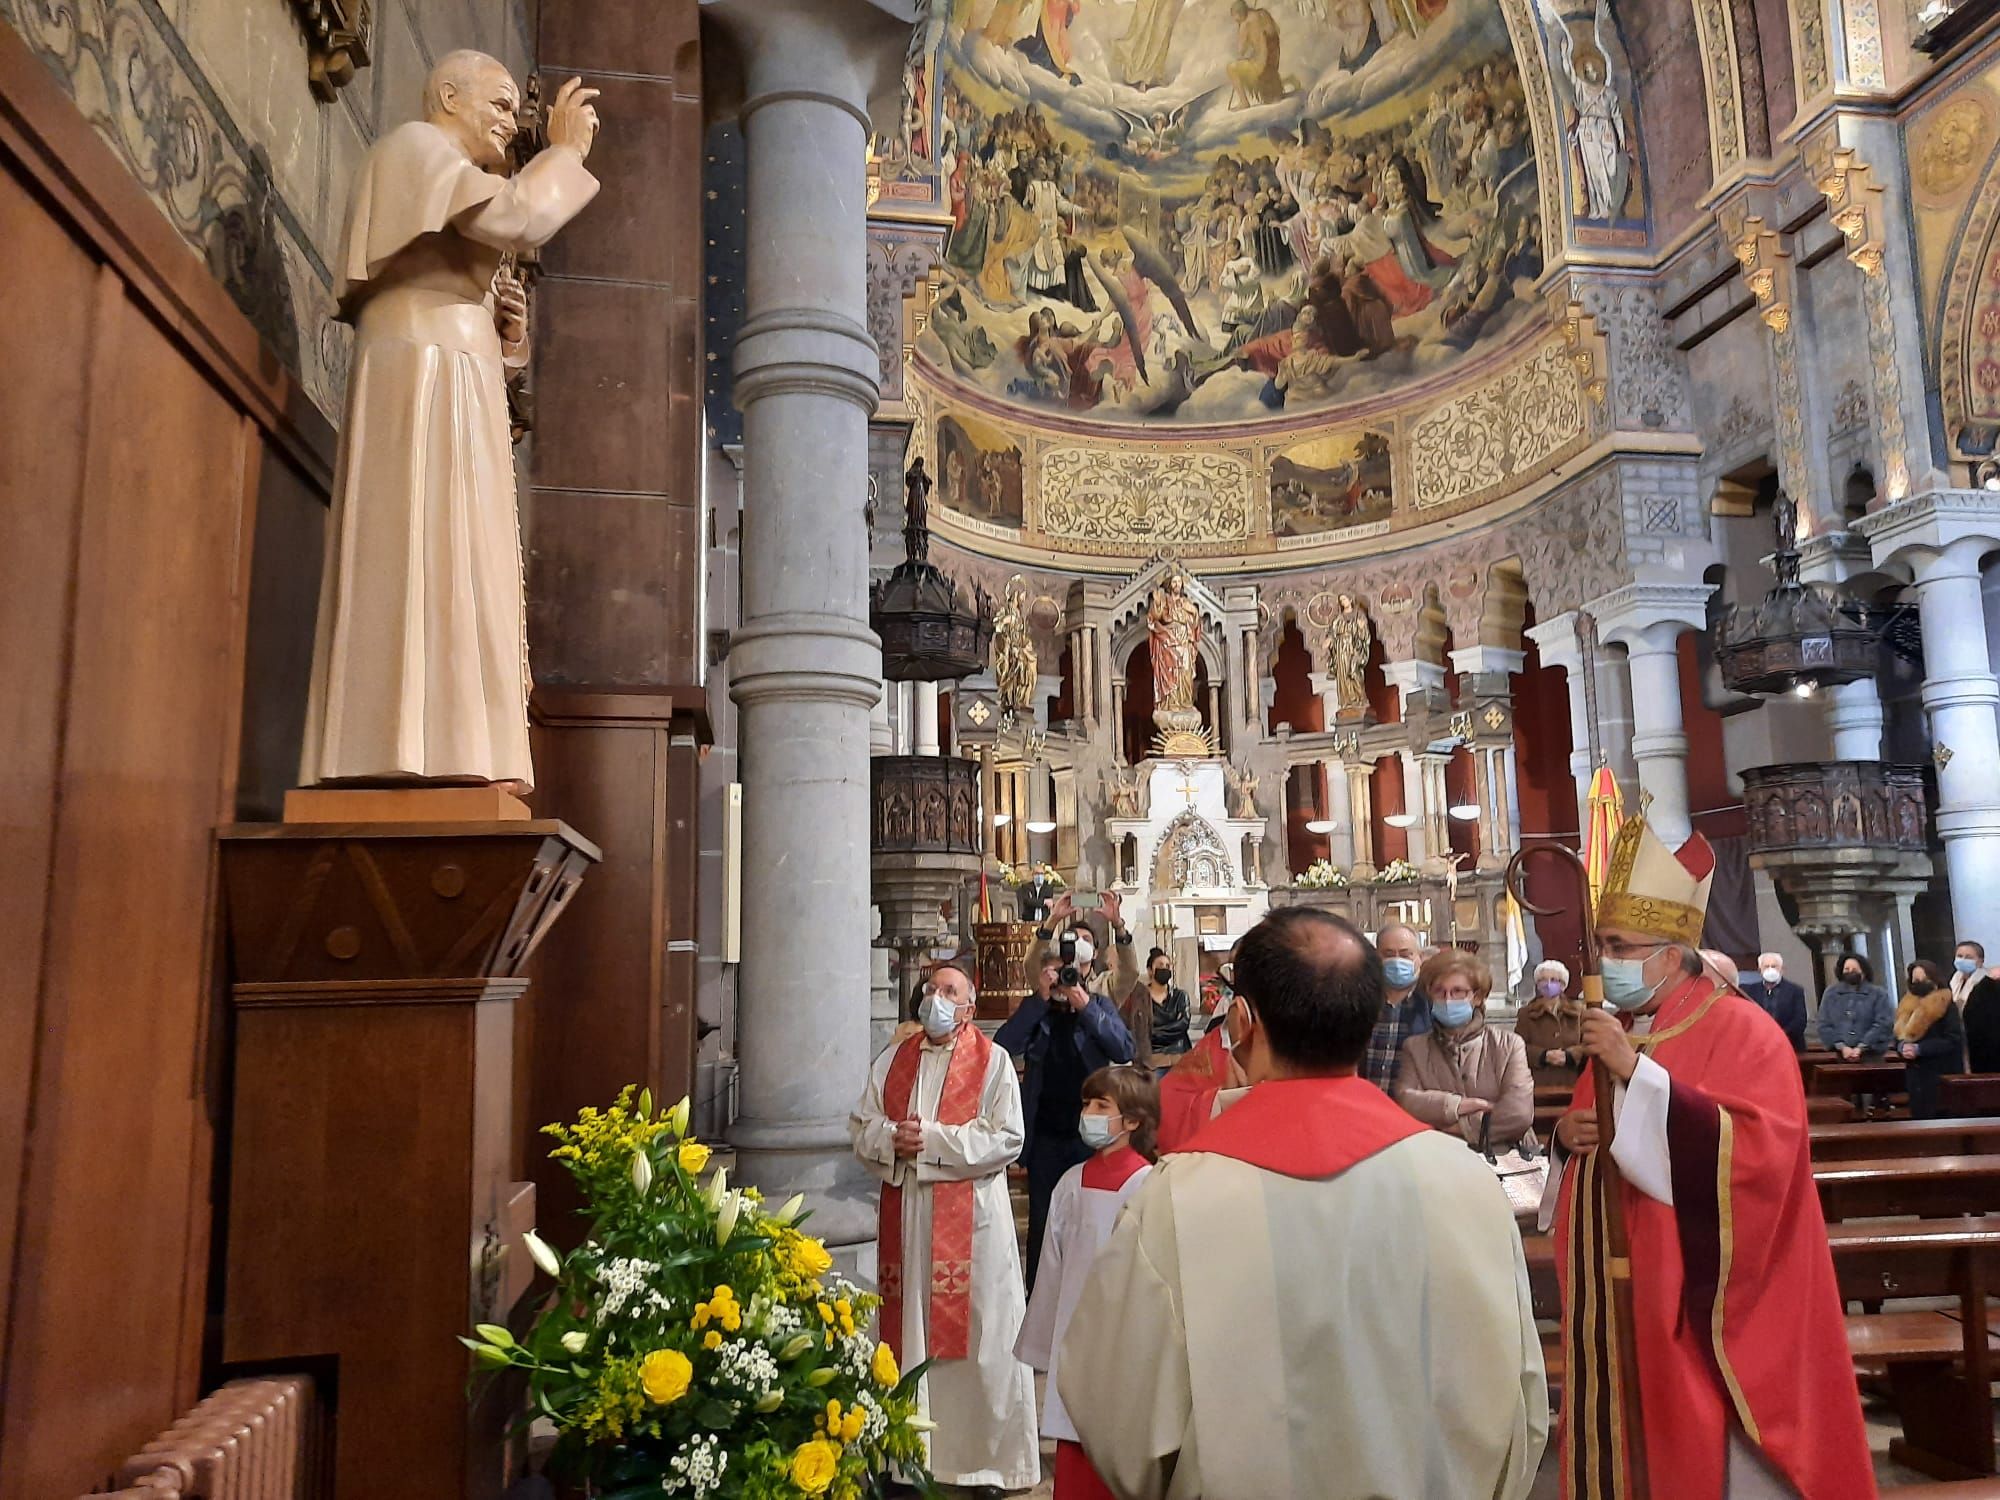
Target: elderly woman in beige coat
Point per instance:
(1463, 1075)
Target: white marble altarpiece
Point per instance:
(1187, 854)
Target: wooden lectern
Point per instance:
(372, 1215)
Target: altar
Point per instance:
(1188, 869)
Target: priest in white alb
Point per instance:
(1316, 1298)
(940, 1124)
(420, 659)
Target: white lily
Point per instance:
(540, 1252)
(717, 1186)
(642, 1171)
(574, 1341)
(725, 1219)
(791, 1209)
(919, 1424)
(677, 1117)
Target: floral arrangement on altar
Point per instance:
(697, 1344)
(1019, 875)
(1396, 872)
(1321, 875)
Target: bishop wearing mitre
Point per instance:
(1744, 1383)
(420, 659)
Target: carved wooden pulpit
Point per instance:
(373, 1212)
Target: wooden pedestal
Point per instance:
(371, 1215)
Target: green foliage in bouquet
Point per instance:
(697, 1345)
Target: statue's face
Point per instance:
(479, 112)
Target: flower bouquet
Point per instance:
(698, 1345)
(1396, 872)
(1019, 875)
(1321, 875)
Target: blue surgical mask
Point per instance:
(1965, 965)
(938, 1016)
(1625, 986)
(1096, 1131)
(1399, 973)
(1452, 1014)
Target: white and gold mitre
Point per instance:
(1652, 889)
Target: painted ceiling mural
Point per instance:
(1212, 267)
(1222, 211)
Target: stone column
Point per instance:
(1345, 838)
(1961, 696)
(1416, 799)
(881, 733)
(1436, 809)
(1608, 698)
(1854, 714)
(1361, 817)
(926, 730)
(1118, 719)
(805, 670)
(1648, 619)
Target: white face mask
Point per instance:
(1096, 1131)
(1086, 950)
(938, 1015)
(1772, 975)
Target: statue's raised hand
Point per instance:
(572, 118)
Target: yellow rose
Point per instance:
(665, 1374)
(809, 1257)
(813, 1466)
(886, 1373)
(692, 1156)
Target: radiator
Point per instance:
(251, 1440)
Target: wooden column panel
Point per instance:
(614, 998)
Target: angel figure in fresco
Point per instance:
(1597, 116)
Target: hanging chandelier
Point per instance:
(927, 634)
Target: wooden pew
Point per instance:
(1970, 1094)
(1928, 1187)
(1880, 1080)
(1863, 1140)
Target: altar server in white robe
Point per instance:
(1120, 1123)
(940, 1124)
(1316, 1298)
(420, 661)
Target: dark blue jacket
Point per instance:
(1785, 1003)
(1101, 1040)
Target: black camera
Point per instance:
(1070, 977)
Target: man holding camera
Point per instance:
(1065, 1031)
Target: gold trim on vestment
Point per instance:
(1653, 1039)
(1725, 1229)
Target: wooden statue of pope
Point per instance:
(420, 660)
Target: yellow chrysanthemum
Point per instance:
(665, 1374)
(851, 1425)
(825, 1313)
(711, 1340)
(885, 1371)
(692, 1156)
(814, 1465)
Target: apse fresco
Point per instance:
(1219, 211)
(1332, 484)
(979, 472)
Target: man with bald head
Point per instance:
(939, 1124)
(420, 660)
(1317, 1295)
(1406, 1010)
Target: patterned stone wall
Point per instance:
(207, 103)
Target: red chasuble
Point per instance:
(1187, 1093)
(1309, 1128)
(1738, 1320)
(949, 1275)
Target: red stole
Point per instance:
(1738, 1320)
(1108, 1171)
(1187, 1093)
(1310, 1128)
(949, 1329)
